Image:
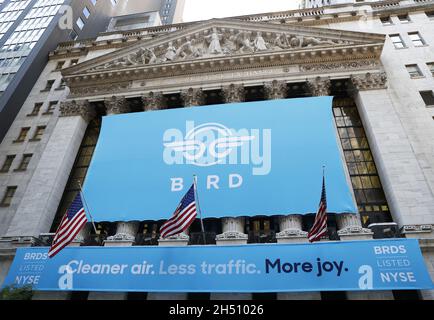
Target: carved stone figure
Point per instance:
(170, 52)
(243, 41)
(259, 42)
(189, 50)
(295, 42)
(311, 41)
(214, 38)
(280, 42)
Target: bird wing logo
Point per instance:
(213, 140)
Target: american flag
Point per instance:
(183, 216)
(319, 227)
(72, 222)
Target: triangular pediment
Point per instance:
(218, 39)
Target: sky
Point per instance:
(206, 9)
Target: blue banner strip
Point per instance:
(329, 266)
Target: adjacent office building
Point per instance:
(375, 59)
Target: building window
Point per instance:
(49, 85)
(370, 197)
(7, 164)
(86, 12)
(51, 107)
(36, 110)
(397, 41)
(414, 71)
(416, 39)
(431, 67)
(23, 134)
(80, 23)
(62, 84)
(73, 62)
(386, 21)
(60, 65)
(79, 170)
(7, 198)
(428, 98)
(38, 133)
(404, 18)
(24, 162)
(73, 35)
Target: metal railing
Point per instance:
(262, 237)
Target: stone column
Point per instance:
(233, 93)
(153, 101)
(117, 105)
(39, 205)
(178, 240)
(408, 193)
(319, 86)
(233, 234)
(397, 166)
(125, 236)
(192, 97)
(291, 229)
(292, 232)
(350, 227)
(276, 90)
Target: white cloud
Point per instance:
(207, 9)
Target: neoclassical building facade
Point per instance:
(376, 60)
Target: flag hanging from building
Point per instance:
(71, 224)
(183, 216)
(319, 227)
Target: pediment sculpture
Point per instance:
(217, 42)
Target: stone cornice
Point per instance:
(77, 108)
(313, 56)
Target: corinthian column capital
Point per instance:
(233, 93)
(116, 105)
(370, 81)
(319, 86)
(276, 90)
(153, 101)
(77, 108)
(192, 97)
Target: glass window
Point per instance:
(386, 21)
(80, 23)
(431, 67)
(7, 198)
(24, 162)
(49, 85)
(36, 109)
(7, 164)
(428, 98)
(397, 41)
(23, 134)
(404, 18)
(51, 107)
(416, 39)
(86, 12)
(38, 133)
(60, 65)
(414, 71)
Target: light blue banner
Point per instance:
(332, 266)
(258, 158)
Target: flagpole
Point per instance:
(87, 207)
(198, 207)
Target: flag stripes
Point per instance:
(183, 217)
(319, 228)
(71, 224)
